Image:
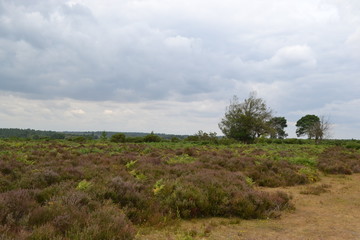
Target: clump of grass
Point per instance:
(316, 190)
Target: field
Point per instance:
(58, 189)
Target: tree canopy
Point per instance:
(305, 126)
(247, 120)
(278, 124)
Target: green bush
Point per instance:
(152, 138)
(118, 138)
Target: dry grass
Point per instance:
(330, 215)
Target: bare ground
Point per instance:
(334, 214)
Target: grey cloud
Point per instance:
(299, 55)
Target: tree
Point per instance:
(306, 126)
(320, 129)
(248, 120)
(278, 124)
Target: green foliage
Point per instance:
(78, 139)
(152, 138)
(118, 138)
(180, 159)
(29, 134)
(311, 174)
(249, 181)
(278, 124)
(83, 185)
(158, 186)
(306, 124)
(306, 161)
(353, 145)
(246, 121)
(130, 164)
(201, 136)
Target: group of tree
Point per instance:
(30, 134)
(121, 138)
(245, 121)
(313, 126)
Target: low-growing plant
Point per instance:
(83, 185)
(158, 186)
(305, 161)
(180, 159)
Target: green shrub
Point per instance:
(152, 138)
(118, 138)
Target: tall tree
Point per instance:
(306, 125)
(247, 120)
(278, 124)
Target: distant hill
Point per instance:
(38, 134)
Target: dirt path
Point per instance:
(331, 215)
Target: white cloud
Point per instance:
(298, 55)
(77, 111)
(182, 43)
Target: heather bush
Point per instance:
(131, 197)
(47, 177)
(15, 206)
(338, 160)
(218, 193)
(277, 173)
(107, 222)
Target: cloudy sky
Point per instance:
(172, 66)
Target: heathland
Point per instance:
(97, 189)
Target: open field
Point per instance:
(100, 190)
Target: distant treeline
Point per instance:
(30, 133)
(138, 137)
(40, 134)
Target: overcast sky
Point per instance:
(172, 66)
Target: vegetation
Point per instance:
(60, 189)
(278, 124)
(313, 127)
(247, 120)
(305, 126)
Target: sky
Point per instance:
(172, 66)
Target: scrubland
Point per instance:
(58, 189)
